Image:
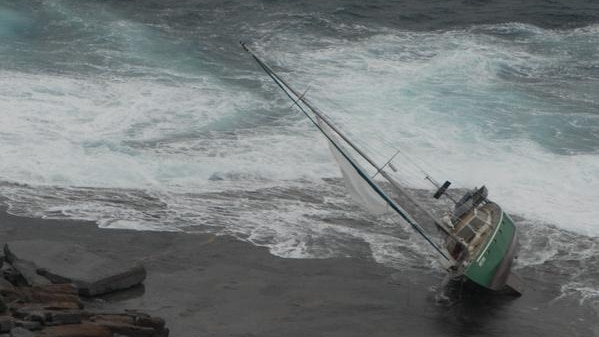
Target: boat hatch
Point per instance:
(467, 233)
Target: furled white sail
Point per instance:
(360, 191)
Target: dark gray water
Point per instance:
(148, 115)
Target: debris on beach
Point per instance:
(40, 290)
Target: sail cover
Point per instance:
(356, 186)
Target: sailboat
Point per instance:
(479, 241)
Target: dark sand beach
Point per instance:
(207, 285)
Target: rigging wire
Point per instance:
(290, 93)
(413, 160)
(415, 171)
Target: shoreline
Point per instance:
(205, 285)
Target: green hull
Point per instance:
(491, 267)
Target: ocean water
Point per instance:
(148, 115)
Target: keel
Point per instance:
(515, 285)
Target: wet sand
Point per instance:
(205, 285)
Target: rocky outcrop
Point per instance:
(40, 292)
(43, 262)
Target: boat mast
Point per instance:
(301, 97)
(287, 89)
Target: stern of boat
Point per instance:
(491, 267)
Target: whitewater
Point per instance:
(133, 119)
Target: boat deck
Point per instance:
(474, 229)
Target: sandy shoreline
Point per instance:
(218, 286)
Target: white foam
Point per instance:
(437, 95)
(195, 150)
(137, 134)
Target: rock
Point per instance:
(6, 323)
(3, 306)
(6, 288)
(29, 325)
(60, 317)
(30, 315)
(125, 319)
(62, 306)
(34, 296)
(28, 271)
(35, 313)
(70, 263)
(126, 329)
(61, 288)
(153, 322)
(56, 309)
(37, 295)
(12, 276)
(20, 332)
(143, 319)
(132, 325)
(76, 330)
